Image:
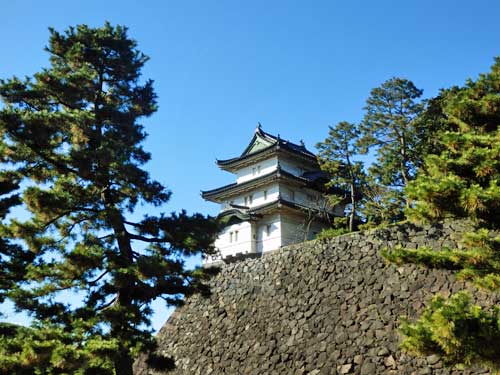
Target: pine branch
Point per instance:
(107, 305)
(95, 281)
(147, 239)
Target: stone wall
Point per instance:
(316, 308)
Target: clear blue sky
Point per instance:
(295, 66)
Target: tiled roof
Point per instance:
(275, 143)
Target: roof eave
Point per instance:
(234, 164)
(225, 192)
(283, 203)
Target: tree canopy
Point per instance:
(436, 159)
(461, 179)
(13, 258)
(336, 157)
(389, 127)
(72, 135)
(395, 132)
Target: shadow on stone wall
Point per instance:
(316, 308)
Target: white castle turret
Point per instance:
(277, 198)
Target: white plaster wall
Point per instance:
(302, 196)
(266, 166)
(264, 242)
(272, 195)
(286, 192)
(258, 197)
(286, 229)
(294, 229)
(272, 241)
(244, 243)
(294, 167)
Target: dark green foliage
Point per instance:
(459, 331)
(390, 129)
(428, 124)
(335, 157)
(381, 204)
(460, 178)
(72, 132)
(13, 258)
(338, 228)
(400, 133)
(478, 260)
(46, 348)
(331, 233)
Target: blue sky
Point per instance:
(295, 66)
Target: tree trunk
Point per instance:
(353, 208)
(353, 191)
(309, 220)
(125, 285)
(403, 166)
(124, 363)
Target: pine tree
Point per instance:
(13, 258)
(72, 132)
(381, 204)
(46, 348)
(335, 157)
(390, 129)
(461, 180)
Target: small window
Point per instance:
(265, 195)
(268, 229)
(236, 236)
(230, 236)
(291, 193)
(254, 171)
(248, 200)
(258, 169)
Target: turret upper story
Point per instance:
(265, 153)
(270, 169)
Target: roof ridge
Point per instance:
(280, 140)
